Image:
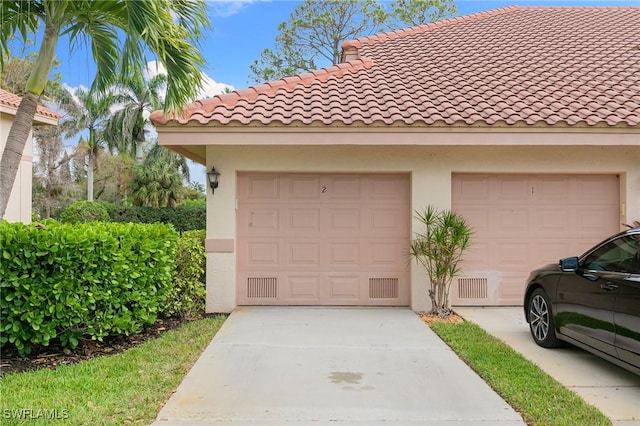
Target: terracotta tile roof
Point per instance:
(13, 101)
(515, 65)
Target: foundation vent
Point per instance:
(262, 287)
(383, 288)
(472, 288)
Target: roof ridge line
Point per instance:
(271, 87)
(390, 35)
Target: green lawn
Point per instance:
(539, 398)
(127, 388)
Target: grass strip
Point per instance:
(540, 399)
(127, 388)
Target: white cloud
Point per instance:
(210, 87)
(225, 8)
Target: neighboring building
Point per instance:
(19, 207)
(524, 120)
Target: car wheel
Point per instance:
(541, 320)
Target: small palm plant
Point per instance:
(439, 250)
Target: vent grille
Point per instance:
(262, 287)
(383, 288)
(472, 288)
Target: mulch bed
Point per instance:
(431, 318)
(53, 355)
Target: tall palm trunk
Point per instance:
(90, 176)
(21, 127)
(139, 142)
(16, 141)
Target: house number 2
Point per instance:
(324, 189)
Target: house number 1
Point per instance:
(324, 189)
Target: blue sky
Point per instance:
(242, 29)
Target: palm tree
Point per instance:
(161, 155)
(157, 186)
(158, 182)
(86, 110)
(167, 28)
(127, 127)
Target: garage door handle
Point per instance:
(609, 287)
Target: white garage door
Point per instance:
(522, 222)
(323, 239)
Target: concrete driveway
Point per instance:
(277, 365)
(613, 390)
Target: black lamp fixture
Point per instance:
(212, 176)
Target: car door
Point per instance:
(627, 309)
(586, 298)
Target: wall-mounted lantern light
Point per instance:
(213, 176)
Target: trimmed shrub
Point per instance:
(84, 212)
(186, 297)
(183, 218)
(67, 282)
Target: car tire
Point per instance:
(541, 322)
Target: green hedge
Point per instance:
(186, 297)
(66, 282)
(183, 218)
(84, 212)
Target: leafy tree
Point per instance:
(410, 13)
(87, 110)
(167, 28)
(439, 250)
(316, 29)
(128, 126)
(113, 177)
(53, 185)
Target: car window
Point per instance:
(619, 255)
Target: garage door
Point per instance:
(522, 222)
(320, 239)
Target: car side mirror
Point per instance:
(569, 264)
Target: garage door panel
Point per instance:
(303, 187)
(303, 254)
(343, 220)
(259, 221)
(474, 188)
(512, 222)
(344, 254)
(303, 220)
(262, 253)
(260, 187)
(324, 248)
(343, 288)
(596, 190)
(510, 254)
(478, 255)
(589, 220)
(302, 288)
(551, 220)
(387, 188)
(511, 189)
(380, 221)
(550, 188)
(526, 221)
(383, 254)
(346, 187)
